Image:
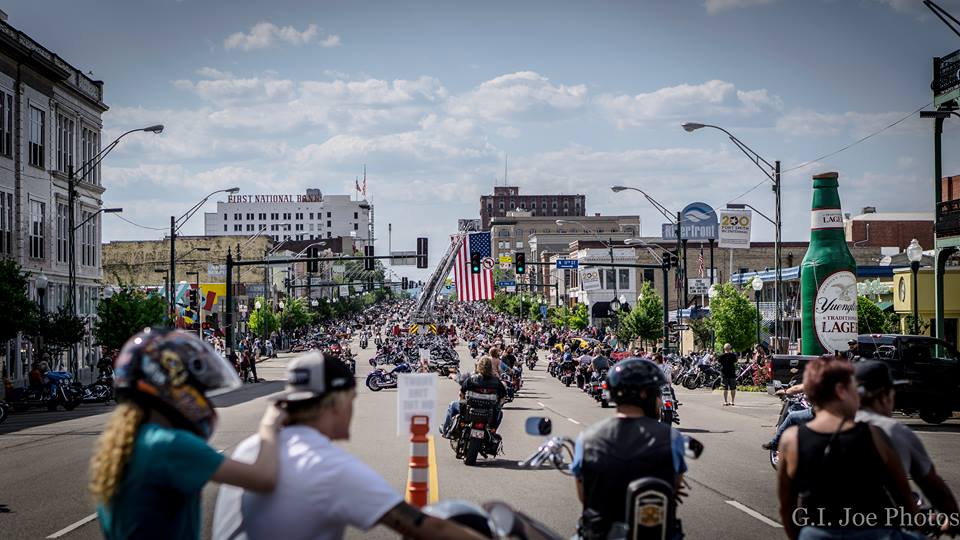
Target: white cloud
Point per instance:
(520, 96)
(682, 101)
(716, 6)
(264, 35)
(508, 132)
(813, 123)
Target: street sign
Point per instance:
(590, 279)
(543, 311)
(505, 266)
(506, 283)
(674, 338)
(403, 258)
(487, 263)
(681, 327)
(698, 221)
(735, 229)
(697, 286)
(416, 396)
(344, 290)
(506, 259)
(216, 270)
(567, 264)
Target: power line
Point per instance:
(139, 225)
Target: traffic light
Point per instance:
(404, 283)
(191, 297)
(475, 262)
(672, 259)
(520, 262)
(368, 262)
(313, 266)
(421, 252)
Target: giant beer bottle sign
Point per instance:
(828, 278)
(835, 311)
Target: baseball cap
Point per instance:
(874, 375)
(851, 341)
(312, 376)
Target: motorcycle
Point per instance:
(364, 340)
(598, 389)
(55, 392)
(567, 373)
(669, 411)
(796, 402)
(101, 390)
(4, 411)
(379, 379)
(706, 376)
(531, 359)
(651, 503)
(471, 435)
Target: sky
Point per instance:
(434, 96)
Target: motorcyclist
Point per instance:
(484, 381)
(600, 365)
(634, 444)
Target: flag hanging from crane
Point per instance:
(472, 287)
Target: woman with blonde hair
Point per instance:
(152, 460)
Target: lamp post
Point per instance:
(177, 223)
(757, 285)
(773, 173)
(915, 255)
(41, 284)
(712, 293)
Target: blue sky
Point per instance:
(276, 97)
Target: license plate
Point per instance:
(476, 433)
(606, 395)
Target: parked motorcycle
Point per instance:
(650, 502)
(470, 435)
(4, 411)
(55, 392)
(789, 404)
(669, 412)
(101, 390)
(379, 379)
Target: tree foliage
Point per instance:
(294, 315)
(60, 331)
(702, 333)
(263, 320)
(17, 312)
(645, 320)
(733, 318)
(124, 314)
(870, 318)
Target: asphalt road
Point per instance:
(44, 456)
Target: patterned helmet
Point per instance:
(174, 372)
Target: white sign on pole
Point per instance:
(590, 279)
(697, 286)
(344, 290)
(511, 288)
(216, 270)
(735, 228)
(505, 265)
(416, 396)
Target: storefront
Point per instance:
(903, 300)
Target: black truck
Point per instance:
(930, 368)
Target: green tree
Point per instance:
(294, 315)
(263, 317)
(733, 318)
(702, 333)
(124, 314)
(579, 318)
(650, 317)
(870, 318)
(17, 312)
(60, 331)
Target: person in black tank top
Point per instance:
(838, 478)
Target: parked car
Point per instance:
(929, 366)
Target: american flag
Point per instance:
(700, 262)
(472, 287)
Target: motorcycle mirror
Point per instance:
(693, 448)
(502, 516)
(538, 425)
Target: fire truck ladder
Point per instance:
(423, 311)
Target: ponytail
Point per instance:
(113, 451)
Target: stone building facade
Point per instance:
(508, 199)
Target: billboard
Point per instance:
(698, 221)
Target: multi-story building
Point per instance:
(508, 199)
(50, 121)
(512, 232)
(890, 230)
(310, 216)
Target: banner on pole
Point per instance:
(590, 279)
(735, 228)
(416, 396)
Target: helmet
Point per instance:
(174, 372)
(630, 376)
(464, 513)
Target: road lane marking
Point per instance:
(70, 528)
(753, 513)
(574, 421)
(433, 485)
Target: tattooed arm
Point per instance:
(410, 522)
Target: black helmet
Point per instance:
(632, 375)
(175, 372)
(464, 513)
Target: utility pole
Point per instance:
(777, 290)
(173, 269)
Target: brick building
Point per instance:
(513, 232)
(507, 199)
(889, 229)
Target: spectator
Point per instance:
(728, 373)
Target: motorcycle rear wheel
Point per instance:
(71, 405)
(774, 457)
(691, 383)
(373, 385)
(3, 414)
(473, 448)
(605, 403)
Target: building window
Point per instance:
(356, 227)
(237, 217)
(88, 243)
(37, 213)
(250, 216)
(624, 278)
(286, 216)
(63, 225)
(329, 234)
(65, 142)
(328, 224)
(262, 217)
(249, 227)
(519, 245)
(300, 215)
(238, 228)
(89, 147)
(356, 215)
(610, 279)
(648, 275)
(224, 228)
(37, 136)
(299, 226)
(274, 216)
(311, 217)
(328, 215)
(6, 124)
(6, 223)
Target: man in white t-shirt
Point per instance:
(321, 488)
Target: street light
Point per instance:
(95, 214)
(757, 285)
(108, 292)
(773, 173)
(177, 223)
(915, 255)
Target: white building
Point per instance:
(312, 216)
(49, 121)
(619, 283)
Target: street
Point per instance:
(43, 490)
